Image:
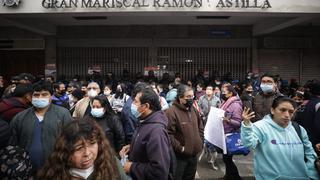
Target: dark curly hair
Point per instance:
(59, 163)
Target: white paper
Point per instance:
(214, 131)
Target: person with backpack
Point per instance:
(282, 148)
(149, 151)
(20, 101)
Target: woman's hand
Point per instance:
(124, 151)
(127, 167)
(247, 116)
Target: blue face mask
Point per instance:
(40, 102)
(134, 111)
(97, 112)
(266, 88)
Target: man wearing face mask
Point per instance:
(60, 97)
(149, 151)
(263, 100)
(83, 106)
(185, 129)
(20, 100)
(35, 129)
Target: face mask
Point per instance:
(266, 88)
(92, 93)
(40, 102)
(223, 97)
(107, 93)
(81, 173)
(189, 103)
(249, 92)
(199, 89)
(134, 111)
(299, 103)
(209, 92)
(97, 112)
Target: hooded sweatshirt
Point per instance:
(149, 151)
(279, 152)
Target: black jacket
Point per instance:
(112, 126)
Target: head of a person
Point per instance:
(41, 96)
(50, 79)
(24, 92)
(315, 88)
(107, 90)
(145, 102)
(93, 89)
(26, 78)
(59, 88)
(227, 92)
(210, 90)
(185, 95)
(248, 88)
(268, 83)
(83, 88)
(100, 107)
(160, 88)
(189, 83)
(139, 87)
(199, 87)
(282, 110)
(298, 98)
(121, 87)
(81, 145)
(76, 95)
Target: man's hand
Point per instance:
(247, 116)
(124, 151)
(127, 167)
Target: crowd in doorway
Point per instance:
(142, 127)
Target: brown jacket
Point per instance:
(185, 128)
(262, 104)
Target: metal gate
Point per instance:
(217, 61)
(77, 60)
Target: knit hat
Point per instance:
(77, 93)
(22, 89)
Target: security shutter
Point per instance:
(218, 61)
(310, 65)
(72, 61)
(279, 62)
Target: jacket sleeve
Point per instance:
(66, 118)
(159, 159)
(251, 136)
(309, 154)
(200, 126)
(172, 130)
(236, 115)
(118, 133)
(128, 121)
(14, 128)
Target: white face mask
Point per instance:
(92, 93)
(97, 112)
(81, 173)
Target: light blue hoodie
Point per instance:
(278, 151)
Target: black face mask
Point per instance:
(249, 92)
(223, 97)
(189, 103)
(299, 103)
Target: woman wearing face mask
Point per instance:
(247, 96)
(232, 106)
(107, 91)
(119, 98)
(103, 114)
(82, 152)
(279, 151)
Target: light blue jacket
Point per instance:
(278, 151)
(171, 96)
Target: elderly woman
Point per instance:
(279, 151)
(82, 152)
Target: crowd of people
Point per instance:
(145, 128)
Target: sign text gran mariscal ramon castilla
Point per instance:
(62, 4)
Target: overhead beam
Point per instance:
(31, 25)
(272, 25)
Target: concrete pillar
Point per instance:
(51, 56)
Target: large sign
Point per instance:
(73, 6)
